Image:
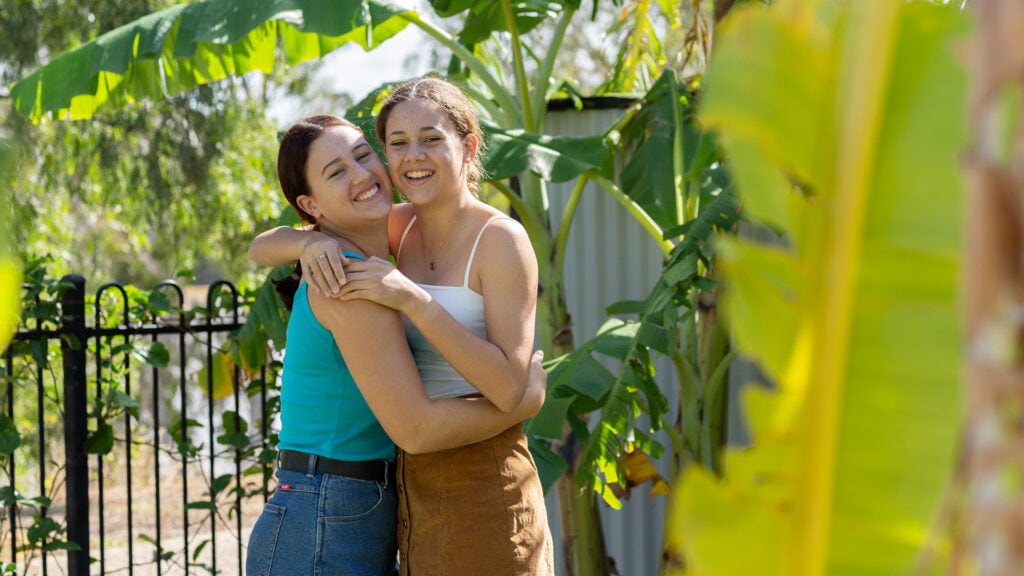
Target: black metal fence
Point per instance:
(165, 453)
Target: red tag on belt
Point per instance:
(285, 487)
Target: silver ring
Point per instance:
(321, 256)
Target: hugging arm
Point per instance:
(284, 245)
(507, 268)
(372, 341)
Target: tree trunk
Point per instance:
(994, 286)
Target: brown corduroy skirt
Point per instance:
(473, 510)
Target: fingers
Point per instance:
(312, 279)
(323, 261)
(333, 271)
(340, 270)
(323, 274)
(537, 360)
(349, 288)
(537, 372)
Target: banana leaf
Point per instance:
(176, 49)
(841, 123)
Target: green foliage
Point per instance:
(853, 158)
(484, 19)
(10, 438)
(654, 169)
(267, 322)
(554, 159)
(199, 179)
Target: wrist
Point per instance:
(418, 306)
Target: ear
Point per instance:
(308, 205)
(470, 146)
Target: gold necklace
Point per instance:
(433, 256)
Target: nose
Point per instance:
(416, 151)
(361, 174)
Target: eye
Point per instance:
(362, 157)
(396, 143)
(337, 172)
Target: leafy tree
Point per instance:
(142, 191)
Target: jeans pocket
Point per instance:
(358, 530)
(347, 499)
(263, 541)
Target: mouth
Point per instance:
(367, 194)
(416, 176)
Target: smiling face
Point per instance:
(348, 184)
(426, 156)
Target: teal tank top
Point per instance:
(322, 410)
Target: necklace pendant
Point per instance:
(432, 266)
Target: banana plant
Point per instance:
(184, 46)
(673, 167)
(852, 156)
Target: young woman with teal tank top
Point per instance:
(350, 389)
(466, 283)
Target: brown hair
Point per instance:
(291, 173)
(456, 106)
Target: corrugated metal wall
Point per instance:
(610, 258)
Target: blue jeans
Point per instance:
(324, 525)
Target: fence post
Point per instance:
(76, 424)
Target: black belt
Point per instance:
(371, 470)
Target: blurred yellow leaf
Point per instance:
(223, 370)
(10, 300)
(843, 124)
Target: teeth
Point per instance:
(418, 174)
(368, 194)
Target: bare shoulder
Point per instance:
(508, 251)
(504, 232)
(398, 220)
(399, 217)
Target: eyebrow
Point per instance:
(328, 165)
(422, 129)
(338, 159)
